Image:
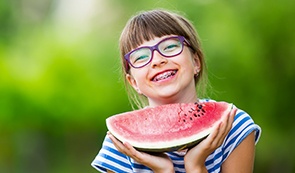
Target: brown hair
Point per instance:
(157, 23)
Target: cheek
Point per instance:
(187, 61)
(139, 75)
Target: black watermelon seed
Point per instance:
(195, 115)
(190, 118)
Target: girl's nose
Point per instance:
(158, 59)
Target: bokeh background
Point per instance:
(60, 77)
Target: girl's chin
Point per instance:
(166, 95)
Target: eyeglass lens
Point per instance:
(167, 48)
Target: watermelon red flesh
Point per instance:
(167, 127)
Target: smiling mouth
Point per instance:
(164, 75)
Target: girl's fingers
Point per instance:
(126, 148)
(215, 132)
(219, 136)
(119, 145)
(221, 130)
(226, 125)
(131, 151)
(230, 120)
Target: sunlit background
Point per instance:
(60, 77)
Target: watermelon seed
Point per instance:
(183, 120)
(203, 110)
(197, 115)
(185, 114)
(198, 110)
(191, 118)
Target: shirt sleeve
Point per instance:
(109, 158)
(243, 125)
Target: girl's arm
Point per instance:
(241, 160)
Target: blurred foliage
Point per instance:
(60, 75)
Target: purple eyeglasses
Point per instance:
(168, 47)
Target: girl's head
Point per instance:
(158, 23)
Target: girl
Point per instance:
(163, 63)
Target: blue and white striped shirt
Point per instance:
(109, 158)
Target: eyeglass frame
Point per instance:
(182, 40)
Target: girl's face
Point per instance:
(166, 80)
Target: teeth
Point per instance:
(164, 75)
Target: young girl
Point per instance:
(163, 63)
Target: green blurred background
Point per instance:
(60, 77)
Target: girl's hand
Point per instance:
(158, 163)
(195, 158)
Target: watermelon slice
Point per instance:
(167, 127)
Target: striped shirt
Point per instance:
(109, 158)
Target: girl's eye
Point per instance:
(171, 47)
(141, 58)
(140, 55)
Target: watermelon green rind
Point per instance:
(172, 148)
(182, 142)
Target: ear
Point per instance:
(133, 83)
(197, 63)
